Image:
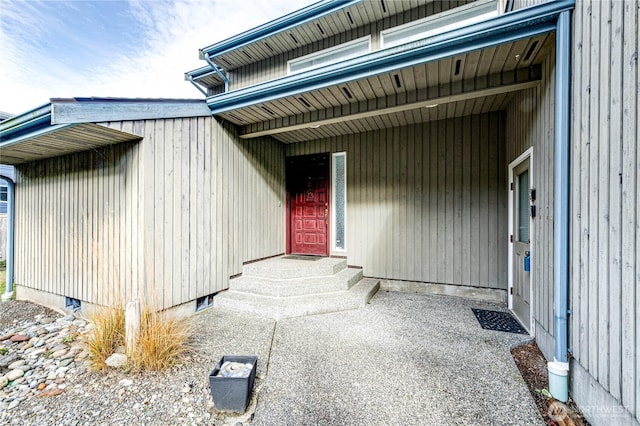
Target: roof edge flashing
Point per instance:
(98, 110)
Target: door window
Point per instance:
(339, 201)
(523, 207)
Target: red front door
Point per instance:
(308, 187)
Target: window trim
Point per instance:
(326, 52)
(442, 15)
(334, 248)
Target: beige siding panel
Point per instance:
(167, 219)
(530, 123)
(225, 208)
(605, 202)
(69, 221)
(408, 190)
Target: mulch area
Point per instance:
(533, 367)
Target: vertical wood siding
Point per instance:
(520, 4)
(72, 224)
(168, 219)
(426, 202)
(276, 66)
(605, 201)
(212, 205)
(530, 123)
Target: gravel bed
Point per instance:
(178, 396)
(19, 310)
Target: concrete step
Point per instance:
(343, 280)
(285, 267)
(297, 306)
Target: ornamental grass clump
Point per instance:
(106, 335)
(162, 343)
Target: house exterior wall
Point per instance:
(530, 123)
(71, 214)
(605, 211)
(167, 219)
(426, 202)
(276, 67)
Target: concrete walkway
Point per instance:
(403, 359)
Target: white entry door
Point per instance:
(520, 205)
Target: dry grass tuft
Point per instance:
(162, 343)
(107, 334)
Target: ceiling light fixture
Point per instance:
(431, 106)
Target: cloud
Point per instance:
(147, 58)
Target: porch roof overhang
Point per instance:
(65, 126)
(255, 106)
(315, 22)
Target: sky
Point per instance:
(115, 48)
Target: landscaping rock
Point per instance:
(16, 338)
(16, 364)
(116, 360)
(14, 374)
(8, 359)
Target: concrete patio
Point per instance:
(402, 359)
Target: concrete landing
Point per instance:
(290, 287)
(284, 267)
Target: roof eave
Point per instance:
(199, 73)
(30, 120)
(508, 27)
(293, 19)
(61, 113)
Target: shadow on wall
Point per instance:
(109, 160)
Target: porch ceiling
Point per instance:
(61, 140)
(461, 108)
(475, 82)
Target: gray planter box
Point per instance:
(232, 393)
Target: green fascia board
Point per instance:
(509, 27)
(200, 73)
(36, 118)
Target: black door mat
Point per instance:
(301, 257)
(498, 321)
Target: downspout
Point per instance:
(218, 71)
(8, 294)
(198, 87)
(559, 368)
